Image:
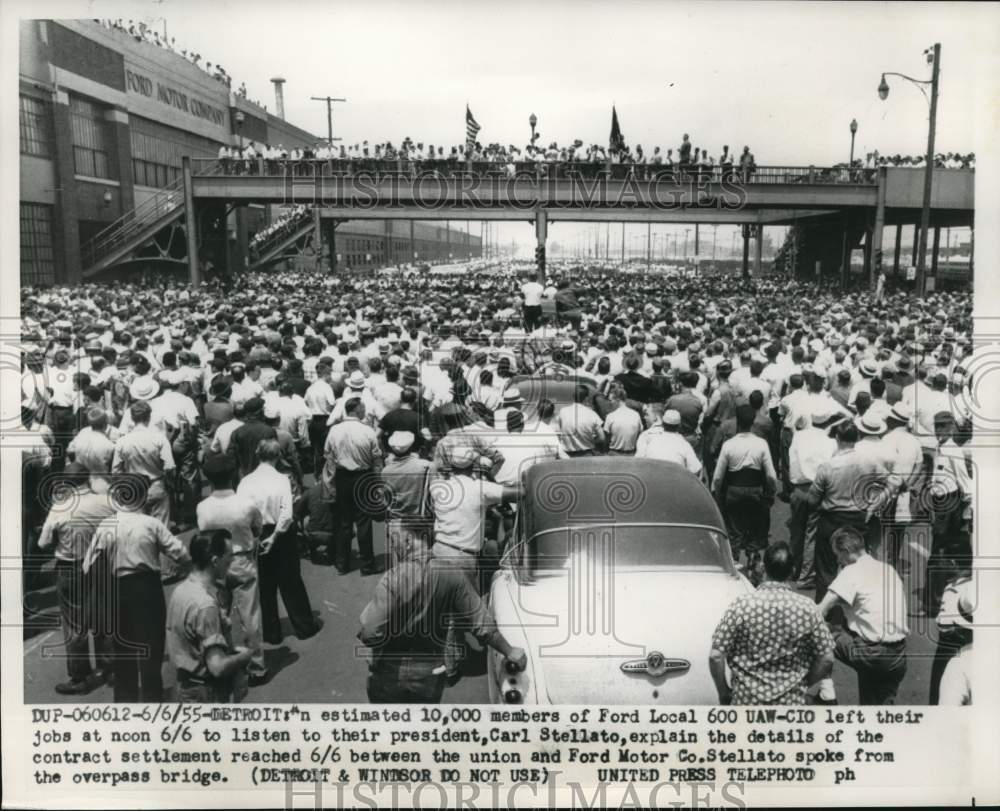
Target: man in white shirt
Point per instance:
(581, 429)
(666, 443)
(271, 493)
(873, 599)
(623, 425)
(811, 446)
(532, 292)
(319, 400)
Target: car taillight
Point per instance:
(511, 693)
(511, 667)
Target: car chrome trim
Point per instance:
(655, 664)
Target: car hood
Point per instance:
(578, 638)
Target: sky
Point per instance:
(784, 78)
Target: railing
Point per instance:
(447, 169)
(126, 227)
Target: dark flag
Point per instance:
(617, 141)
(471, 129)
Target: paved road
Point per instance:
(331, 666)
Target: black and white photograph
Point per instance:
(452, 364)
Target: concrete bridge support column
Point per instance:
(541, 232)
(875, 262)
(931, 283)
(190, 225)
(895, 253)
(746, 251)
(758, 249)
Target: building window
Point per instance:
(90, 141)
(35, 127)
(37, 266)
(157, 152)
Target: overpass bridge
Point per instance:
(855, 203)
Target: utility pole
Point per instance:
(329, 116)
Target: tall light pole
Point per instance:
(854, 131)
(934, 58)
(686, 232)
(533, 120)
(239, 127)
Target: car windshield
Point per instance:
(630, 547)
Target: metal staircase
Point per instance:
(274, 249)
(133, 229)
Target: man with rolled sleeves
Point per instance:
(198, 631)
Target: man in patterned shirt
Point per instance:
(774, 640)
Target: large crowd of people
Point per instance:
(282, 414)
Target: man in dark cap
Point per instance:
(245, 439)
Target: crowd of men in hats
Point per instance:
(287, 412)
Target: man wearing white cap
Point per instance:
(667, 444)
(356, 386)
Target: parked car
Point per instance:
(616, 574)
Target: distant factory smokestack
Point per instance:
(279, 96)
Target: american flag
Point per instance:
(471, 129)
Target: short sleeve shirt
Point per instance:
(770, 639)
(460, 504)
(196, 622)
(875, 598)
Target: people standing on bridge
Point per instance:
(774, 641)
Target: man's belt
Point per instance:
(457, 548)
(744, 477)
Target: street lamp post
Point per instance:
(533, 120)
(854, 131)
(933, 57)
(239, 127)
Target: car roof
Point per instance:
(614, 490)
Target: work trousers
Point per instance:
(802, 523)
(243, 582)
(76, 613)
(140, 629)
(356, 506)
(317, 441)
(748, 512)
(405, 680)
(279, 570)
(880, 666)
